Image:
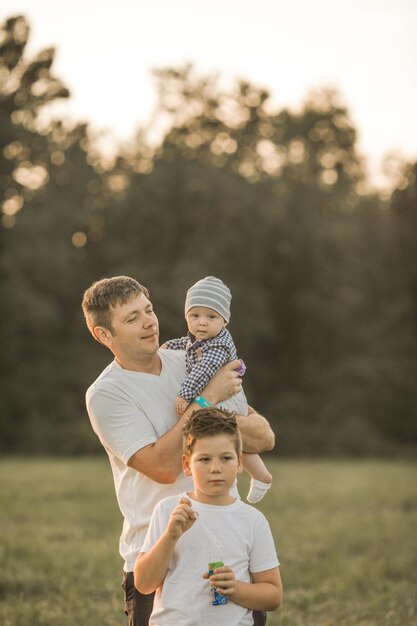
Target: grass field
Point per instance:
(346, 533)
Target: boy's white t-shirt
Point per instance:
(129, 410)
(237, 534)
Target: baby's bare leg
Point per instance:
(254, 465)
(261, 478)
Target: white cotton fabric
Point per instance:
(129, 410)
(246, 546)
(237, 403)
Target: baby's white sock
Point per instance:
(257, 490)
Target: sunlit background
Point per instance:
(367, 49)
(169, 141)
(256, 153)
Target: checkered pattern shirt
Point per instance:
(202, 359)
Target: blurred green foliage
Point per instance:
(323, 271)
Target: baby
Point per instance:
(208, 346)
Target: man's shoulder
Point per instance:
(172, 358)
(108, 379)
(105, 374)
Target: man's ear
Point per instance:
(186, 465)
(103, 335)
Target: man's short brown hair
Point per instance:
(105, 294)
(208, 423)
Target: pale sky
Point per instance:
(365, 48)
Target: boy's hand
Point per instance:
(223, 580)
(182, 518)
(180, 406)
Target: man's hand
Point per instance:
(224, 384)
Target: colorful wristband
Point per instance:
(202, 402)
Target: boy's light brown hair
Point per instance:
(105, 294)
(208, 423)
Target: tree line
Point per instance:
(323, 271)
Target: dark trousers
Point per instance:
(138, 607)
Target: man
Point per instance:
(131, 406)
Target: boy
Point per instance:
(206, 524)
(209, 346)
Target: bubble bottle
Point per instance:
(216, 597)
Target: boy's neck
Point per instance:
(222, 500)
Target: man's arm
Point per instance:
(161, 460)
(257, 434)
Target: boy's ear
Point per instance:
(186, 465)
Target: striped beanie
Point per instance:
(212, 293)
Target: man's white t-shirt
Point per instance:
(129, 410)
(237, 534)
